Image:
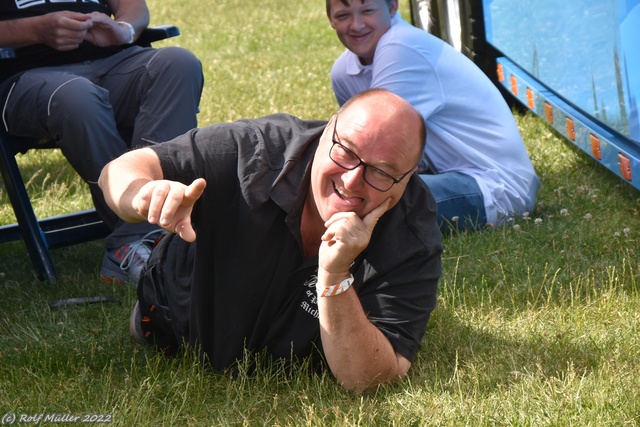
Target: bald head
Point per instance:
(392, 115)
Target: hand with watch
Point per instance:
(132, 31)
(105, 31)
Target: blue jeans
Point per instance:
(459, 200)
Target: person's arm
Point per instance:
(339, 77)
(134, 188)
(127, 15)
(358, 353)
(401, 69)
(134, 12)
(59, 30)
(65, 30)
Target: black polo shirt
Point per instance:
(251, 287)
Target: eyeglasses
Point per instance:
(347, 159)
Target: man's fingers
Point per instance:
(195, 190)
(180, 198)
(169, 204)
(145, 202)
(369, 221)
(76, 16)
(346, 237)
(156, 201)
(185, 230)
(372, 217)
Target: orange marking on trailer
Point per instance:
(500, 72)
(548, 112)
(571, 130)
(625, 166)
(595, 146)
(530, 99)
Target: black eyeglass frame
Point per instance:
(335, 141)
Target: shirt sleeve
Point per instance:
(339, 77)
(403, 300)
(403, 70)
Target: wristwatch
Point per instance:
(132, 31)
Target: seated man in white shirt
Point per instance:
(476, 164)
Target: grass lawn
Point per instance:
(537, 322)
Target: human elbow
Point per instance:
(368, 381)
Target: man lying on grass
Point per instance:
(314, 239)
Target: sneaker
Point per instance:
(135, 328)
(125, 264)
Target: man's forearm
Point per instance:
(17, 33)
(359, 355)
(122, 179)
(135, 12)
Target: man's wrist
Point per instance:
(132, 31)
(336, 289)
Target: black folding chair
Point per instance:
(42, 235)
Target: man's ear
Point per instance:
(393, 8)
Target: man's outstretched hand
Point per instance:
(169, 204)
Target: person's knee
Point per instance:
(177, 63)
(78, 99)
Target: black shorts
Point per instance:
(164, 294)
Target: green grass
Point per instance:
(537, 322)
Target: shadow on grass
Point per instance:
(462, 357)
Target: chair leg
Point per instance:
(32, 235)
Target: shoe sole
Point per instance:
(135, 330)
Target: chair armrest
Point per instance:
(156, 33)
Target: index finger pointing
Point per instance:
(372, 217)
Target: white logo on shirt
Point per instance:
(24, 4)
(310, 305)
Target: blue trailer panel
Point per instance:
(574, 63)
(587, 51)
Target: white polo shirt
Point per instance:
(470, 128)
